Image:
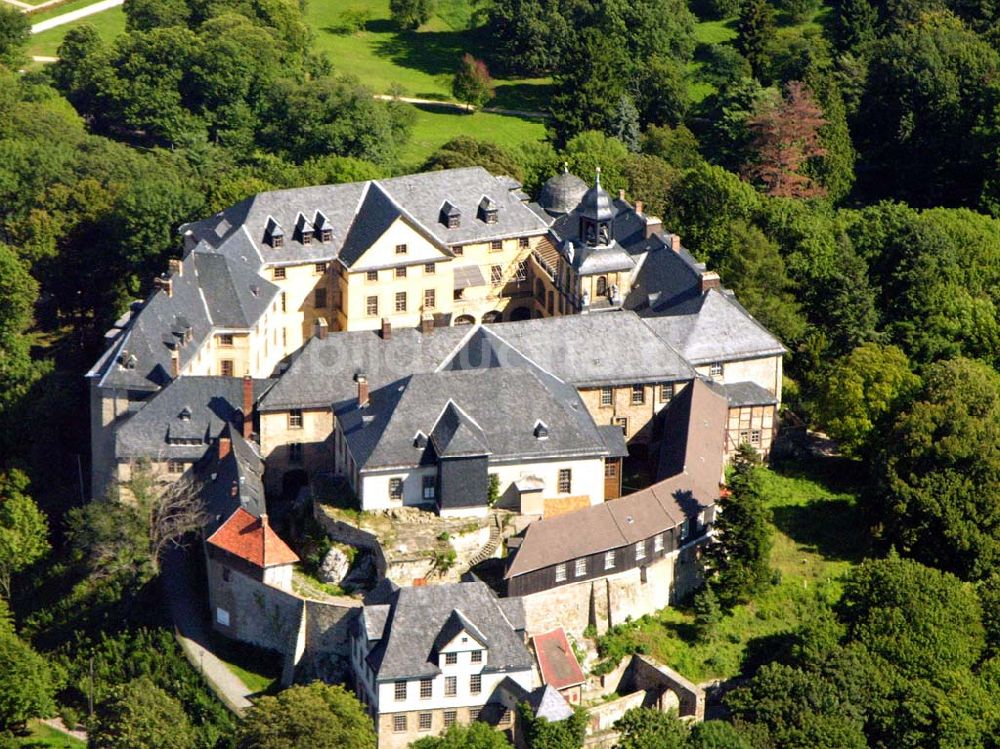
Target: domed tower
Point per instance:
(597, 213)
(562, 193)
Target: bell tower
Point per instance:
(597, 214)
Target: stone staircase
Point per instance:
(491, 545)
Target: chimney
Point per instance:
(225, 446)
(164, 283)
(386, 329)
(710, 280)
(176, 266)
(320, 327)
(247, 407)
(175, 364)
(426, 325)
(675, 242)
(653, 226)
(621, 195)
(362, 381)
(639, 205)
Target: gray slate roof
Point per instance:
(234, 481)
(499, 411)
(718, 330)
(415, 618)
(210, 402)
(748, 394)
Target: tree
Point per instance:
(738, 559)
(705, 201)
(716, 734)
(15, 30)
(677, 146)
(798, 11)
(645, 728)
(754, 31)
(316, 716)
(411, 14)
(145, 15)
(23, 529)
(465, 151)
(540, 733)
(854, 24)
(939, 492)
(707, 613)
(859, 391)
(626, 123)
(473, 736)
(591, 150)
(786, 137)
(472, 83)
(18, 292)
(140, 715)
(27, 684)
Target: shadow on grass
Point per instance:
(766, 649)
(832, 528)
(528, 96)
(431, 52)
(260, 662)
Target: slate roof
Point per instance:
(233, 482)
(415, 618)
(696, 459)
(665, 281)
(562, 192)
(546, 702)
(493, 411)
(253, 540)
(556, 660)
(718, 330)
(748, 394)
(190, 407)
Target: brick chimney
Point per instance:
(247, 407)
(176, 265)
(621, 195)
(175, 364)
(225, 446)
(362, 381)
(164, 283)
(320, 328)
(710, 280)
(675, 242)
(639, 205)
(426, 325)
(386, 329)
(653, 226)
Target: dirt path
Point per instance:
(58, 725)
(465, 108)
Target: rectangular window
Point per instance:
(496, 245)
(611, 470)
(426, 689)
(279, 274)
(320, 300)
(226, 367)
(505, 718)
(640, 550)
(475, 684)
(430, 299)
(667, 392)
(396, 489)
(429, 269)
(496, 274)
(222, 617)
(450, 659)
(295, 452)
(175, 466)
(458, 250)
(400, 691)
(560, 573)
(400, 249)
(580, 568)
(521, 273)
(522, 242)
(429, 487)
(284, 302)
(401, 272)
(609, 560)
(621, 421)
(295, 418)
(607, 396)
(278, 241)
(658, 542)
(755, 437)
(477, 656)
(307, 237)
(426, 721)
(371, 306)
(473, 714)
(400, 301)
(450, 686)
(371, 275)
(226, 339)
(399, 723)
(449, 718)
(565, 480)
(638, 395)
(321, 267)
(715, 369)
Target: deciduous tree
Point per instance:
(411, 14)
(476, 735)
(140, 715)
(23, 529)
(472, 83)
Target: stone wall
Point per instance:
(345, 533)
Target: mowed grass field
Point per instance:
(109, 24)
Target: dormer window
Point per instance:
(450, 215)
(420, 440)
(304, 229)
(487, 210)
(185, 414)
(273, 234)
(541, 430)
(324, 232)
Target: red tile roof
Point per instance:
(556, 660)
(252, 539)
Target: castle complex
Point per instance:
(440, 341)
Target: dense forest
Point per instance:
(840, 171)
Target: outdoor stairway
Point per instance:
(491, 546)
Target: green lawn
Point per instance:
(109, 24)
(258, 669)
(40, 735)
(58, 10)
(818, 538)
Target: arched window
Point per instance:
(602, 285)
(465, 320)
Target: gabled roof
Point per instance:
(456, 624)
(556, 660)
(252, 540)
(416, 618)
(456, 435)
(233, 481)
(546, 702)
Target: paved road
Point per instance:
(73, 15)
(183, 596)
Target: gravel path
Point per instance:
(73, 15)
